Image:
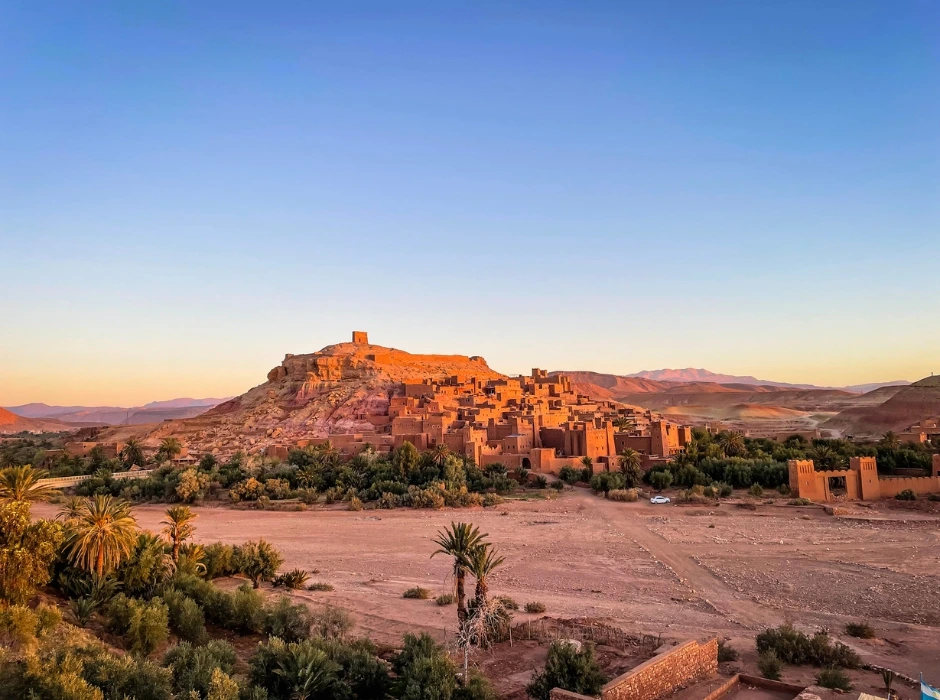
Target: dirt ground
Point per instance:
(672, 571)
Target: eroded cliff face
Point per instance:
(344, 388)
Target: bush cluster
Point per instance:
(793, 647)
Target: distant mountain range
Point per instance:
(153, 412)
(690, 374)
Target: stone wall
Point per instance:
(893, 485)
(665, 673)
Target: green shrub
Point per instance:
(793, 647)
(276, 489)
(862, 630)
(294, 579)
(247, 612)
(623, 495)
(799, 502)
(535, 608)
(834, 678)
(446, 599)
(756, 490)
(187, 618)
(769, 665)
(492, 499)
(724, 490)
(83, 608)
(605, 482)
(248, 490)
(320, 586)
(259, 561)
(425, 671)
(286, 620)
(906, 495)
(540, 482)
(934, 497)
(148, 628)
(569, 475)
(355, 503)
(331, 622)
(569, 669)
(726, 652)
(508, 603)
(417, 592)
(660, 480)
(783, 489)
(193, 666)
(217, 558)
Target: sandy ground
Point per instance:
(675, 571)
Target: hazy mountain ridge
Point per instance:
(115, 415)
(692, 374)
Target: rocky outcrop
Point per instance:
(342, 388)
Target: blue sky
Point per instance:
(190, 190)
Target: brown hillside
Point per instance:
(908, 405)
(12, 423)
(335, 390)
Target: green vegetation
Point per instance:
(834, 678)
(568, 668)
(726, 652)
(445, 599)
(862, 630)
(623, 495)
(770, 665)
(155, 598)
(906, 495)
(793, 647)
(535, 608)
(320, 586)
(739, 462)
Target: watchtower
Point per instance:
(360, 337)
(867, 468)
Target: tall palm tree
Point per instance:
(629, 459)
(482, 561)
(103, 535)
(170, 447)
(22, 484)
(890, 440)
(731, 443)
(439, 453)
(457, 542)
(178, 528)
(132, 453)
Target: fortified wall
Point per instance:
(659, 677)
(860, 481)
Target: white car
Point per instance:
(659, 499)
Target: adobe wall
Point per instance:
(665, 673)
(891, 486)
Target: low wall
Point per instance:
(891, 486)
(756, 682)
(665, 673)
(62, 482)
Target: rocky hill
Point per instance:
(904, 407)
(12, 423)
(335, 390)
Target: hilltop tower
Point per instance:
(360, 337)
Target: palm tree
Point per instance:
(103, 535)
(481, 562)
(132, 453)
(440, 453)
(588, 464)
(71, 510)
(22, 484)
(307, 672)
(624, 424)
(890, 440)
(731, 442)
(457, 542)
(178, 527)
(824, 456)
(170, 447)
(630, 459)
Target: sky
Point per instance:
(188, 191)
